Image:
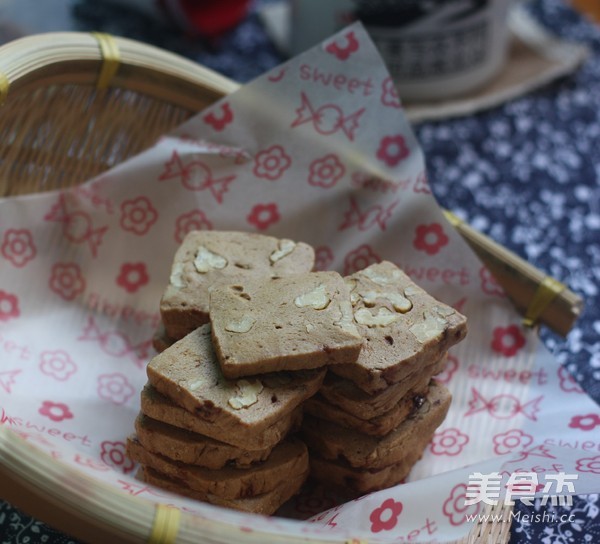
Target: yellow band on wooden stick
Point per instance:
(547, 291)
(165, 526)
(111, 58)
(4, 85)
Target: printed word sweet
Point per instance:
(340, 82)
(511, 376)
(5, 419)
(587, 445)
(433, 274)
(124, 311)
(419, 535)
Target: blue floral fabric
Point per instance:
(526, 173)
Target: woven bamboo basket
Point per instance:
(71, 105)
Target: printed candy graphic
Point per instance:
(196, 175)
(342, 50)
(503, 406)
(7, 379)
(328, 118)
(76, 224)
(364, 219)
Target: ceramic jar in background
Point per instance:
(434, 49)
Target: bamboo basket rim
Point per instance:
(32, 479)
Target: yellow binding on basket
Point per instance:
(111, 58)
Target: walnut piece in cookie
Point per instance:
(299, 322)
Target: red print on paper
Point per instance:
(7, 379)
(362, 257)
(115, 343)
(430, 238)
(18, 247)
(385, 517)
(449, 370)
(9, 306)
(77, 224)
(187, 222)
(535, 451)
(314, 499)
(507, 340)
(328, 118)
(271, 163)
(138, 215)
(448, 442)
(377, 215)
(587, 422)
(262, 216)
(196, 175)
(510, 441)
(220, 120)
(115, 388)
(67, 281)
(588, 464)
(344, 47)
(489, 284)
(326, 171)
(455, 508)
(421, 184)
(363, 180)
(132, 276)
(57, 364)
(277, 76)
(56, 411)
(503, 406)
(90, 462)
(323, 258)
(392, 150)
(114, 455)
(566, 382)
(389, 94)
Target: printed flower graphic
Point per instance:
(449, 370)
(271, 163)
(454, 506)
(113, 454)
(18, 247)
(132, 276)
(9, 306)
(588, 464)
(186, 223)
(57, 364)
(586, 422)
(385, 517)
(56, 411)
(489, 284)
(138, 215)
(448, 442)
(507, 340)
(67, 280)
(114, 388)
(392, 150)
(430, 238)
(262, 216)
(323, 258)
(326, 172)
(511, 440)
(389, 94)
(360, 258)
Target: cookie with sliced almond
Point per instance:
(289, 323)
(206, 258)
(404, 327)
(234, 411)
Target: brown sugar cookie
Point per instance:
(206, 258)
(290, 323)
(189, 375)
(193, 448)
(287, 459)
(404, 327)
(256, 436)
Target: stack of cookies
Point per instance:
(373, 417)
(248, 332)
(248, 335)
